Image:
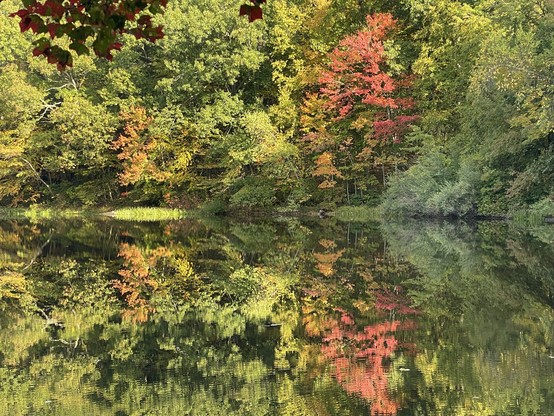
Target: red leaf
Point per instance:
(54, 9)
(37, 52)
(34, 26)
(244, 10)
(145, 20)
(137, 33)
(52, 28)
(21, 13)
(255, 13)
(52, 59)
(25, 24)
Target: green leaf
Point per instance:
(79, 48)
(104, 39)
(81, 33)
(116, 21)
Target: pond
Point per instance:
(280, 317)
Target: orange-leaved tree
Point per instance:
(137, 150)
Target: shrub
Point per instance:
(254, 193)
(409, 192)
(433, 187)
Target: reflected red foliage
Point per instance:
(393, 301)
(360, 358)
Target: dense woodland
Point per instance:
(426, 107)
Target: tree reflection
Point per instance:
(359, 361)
(240, 319)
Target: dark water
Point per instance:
(276, 318)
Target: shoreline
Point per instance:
(344, 213)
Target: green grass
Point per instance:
(12, 213)
(147, 214)
(357, 213)
(527, 217)
(36, 213)
(535, 214)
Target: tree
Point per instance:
(20, 102)
(449, 40)
(509, 118)
(359, 109)
(152, 155)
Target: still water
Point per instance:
(281, 317)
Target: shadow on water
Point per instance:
(283, 317)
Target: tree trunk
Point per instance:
(347, 193)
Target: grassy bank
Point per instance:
(539, 213)
(357, 214)
(143, 214)
(534, 215)
(36, 213)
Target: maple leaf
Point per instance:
(254, 12)
(100, 22)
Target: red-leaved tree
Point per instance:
(356, 73)
(360, 108)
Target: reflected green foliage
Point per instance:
(477, 283)
(275, 318)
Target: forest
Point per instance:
(124, 125)
(425, 108)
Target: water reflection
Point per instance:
(283, 318)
